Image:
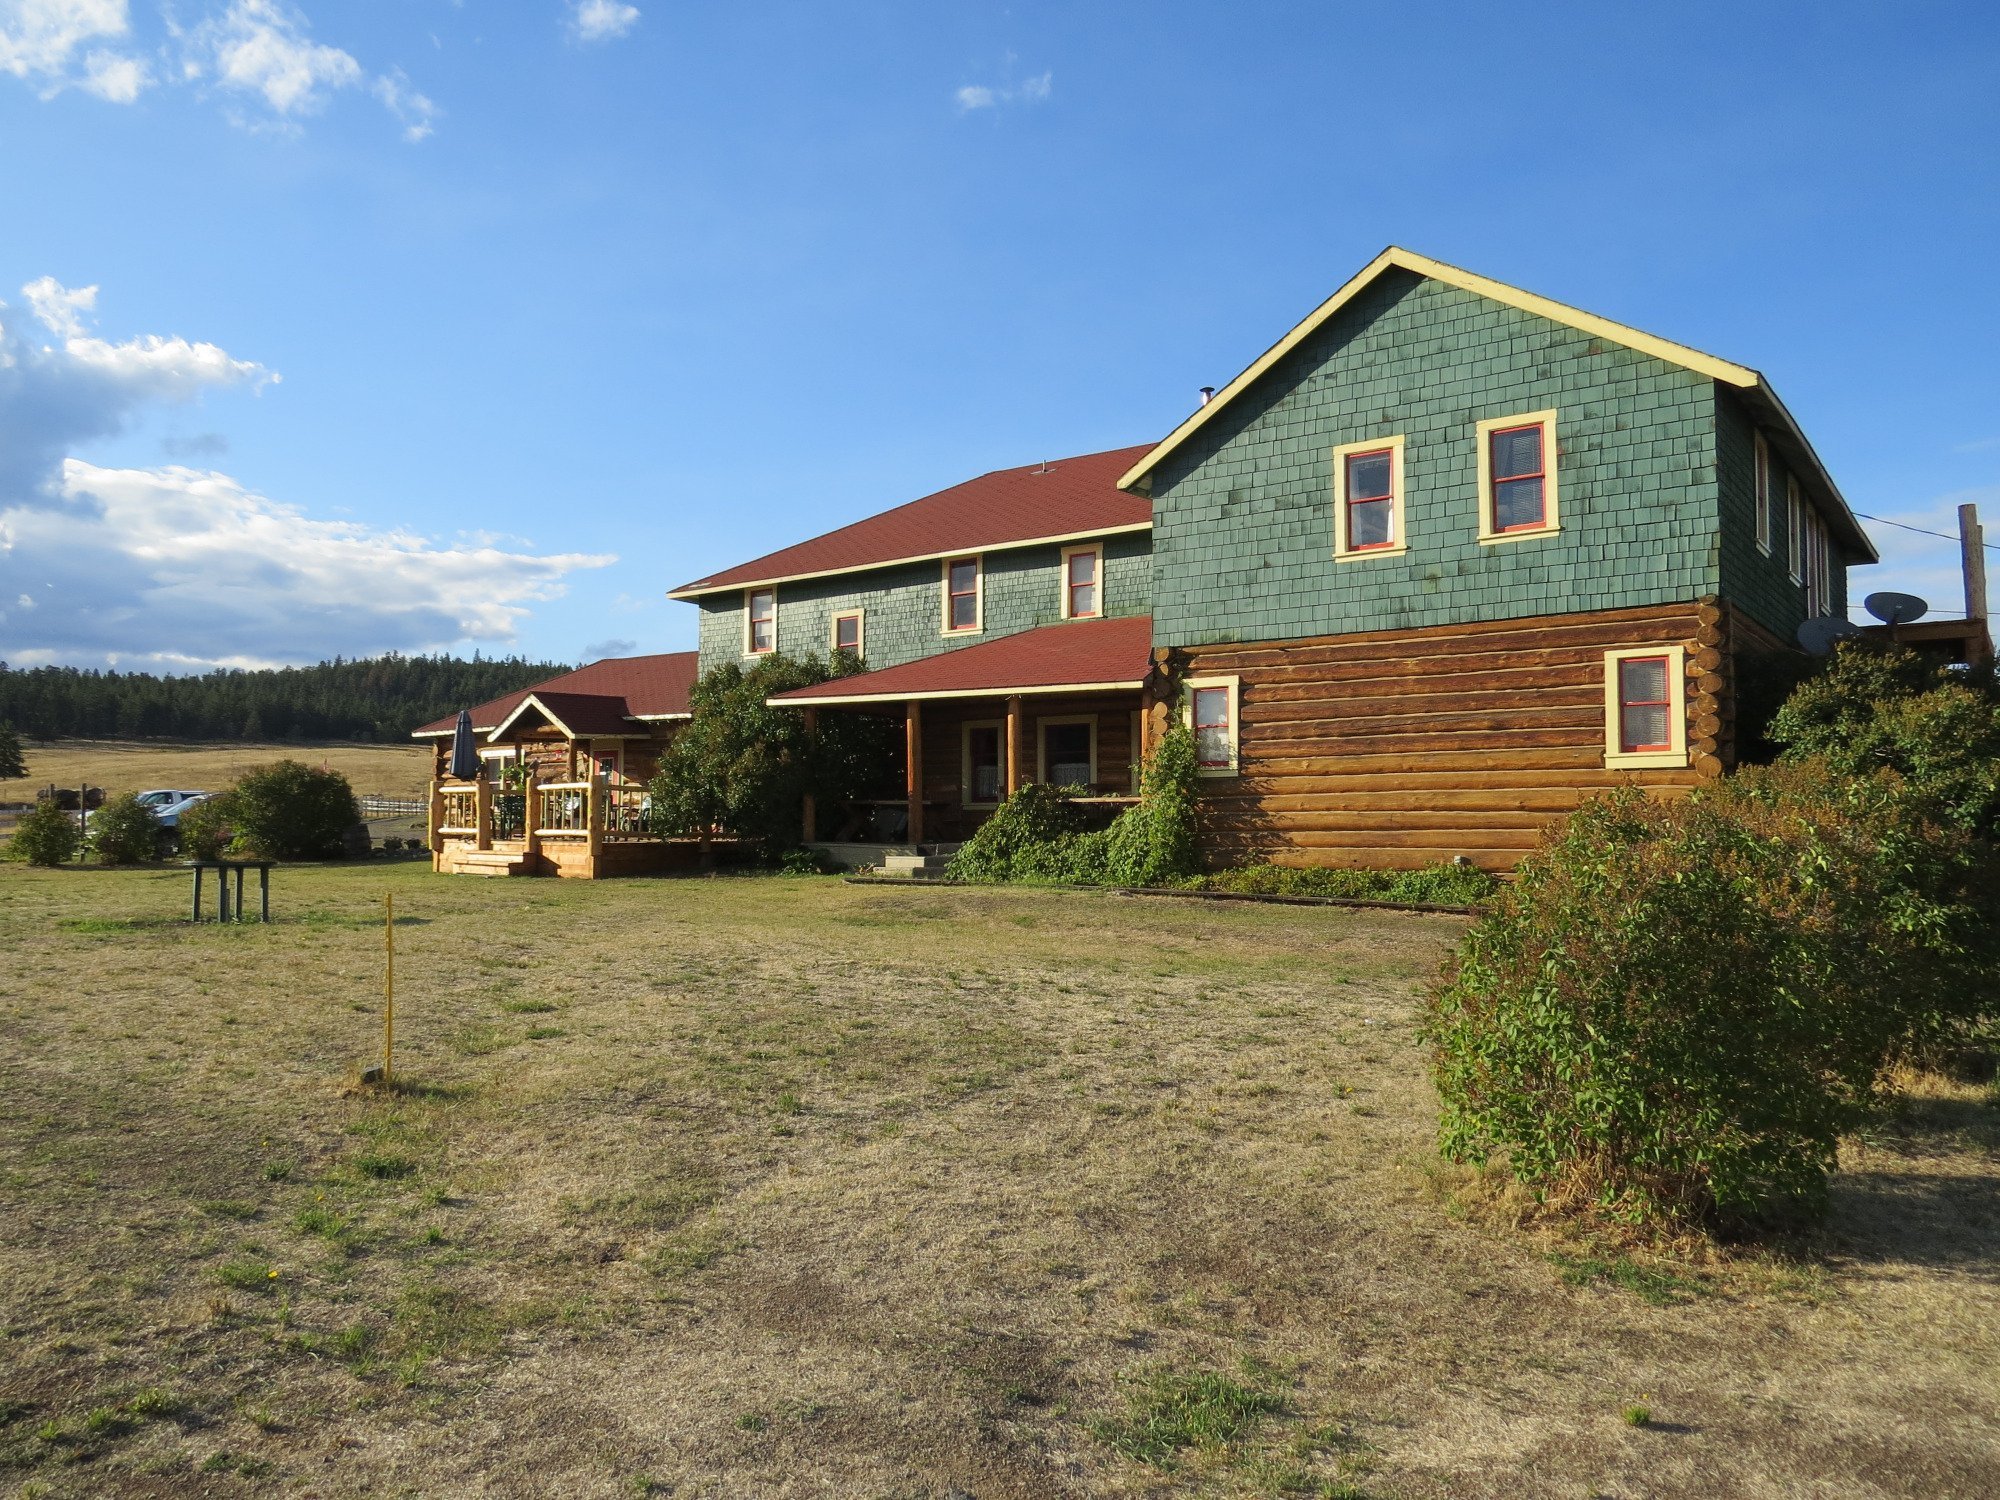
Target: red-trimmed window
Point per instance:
(1214, 747)
(961, 607)
(1080, 583)
(763, 606)
(847, 632)
(1645, 705)
(1370, 488)
(1519, 478)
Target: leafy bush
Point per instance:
(125, 832)
(740, 766)
(1680, 1006)
(205, 828)
(1037, 834)
(1434, 885)
(1873, 708)
(46, 835)
(290, 810)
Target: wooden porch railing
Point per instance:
(583, 811)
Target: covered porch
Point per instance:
(1071, 705)
(561, 791)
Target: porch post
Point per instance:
(482, 810)
(1013, 751)
(593, 817)
(530, 786)
(434, 818)
(913, 765)
(809, 814)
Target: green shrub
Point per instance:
(290, 810)
(206, 828)
(11, 763)
(125, 832)
(45, 836)
(742, 767)
(1434, 885)
(1877, 708)
(1680, 1006)
(1038, 834)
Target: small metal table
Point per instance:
(227, 910)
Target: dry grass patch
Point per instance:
(828, 1189)
(137, 765)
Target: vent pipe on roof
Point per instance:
(1207, 394)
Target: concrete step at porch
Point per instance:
(928, 862)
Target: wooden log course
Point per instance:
(1402, 748)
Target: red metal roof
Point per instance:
(646, 686)
(1075, 654)
(1063, 497)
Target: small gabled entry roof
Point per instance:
(1755, 389)
(1074, 657)
(1060, 500)
(647, 688)
(577, 716)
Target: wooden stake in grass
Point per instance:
(386, 1071)
(389, 987)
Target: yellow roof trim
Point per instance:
(1397, 258)
(930, 693)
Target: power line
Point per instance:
(1922, 531)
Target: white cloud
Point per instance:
(601, 20)
(616, 646)
(981, 96)
(246, 49)
(178, 567)
(45, 40)
(261, 47)
(115, 78)
(58, 308)
(412, 108)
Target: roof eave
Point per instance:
(700, 589)
(927, 694)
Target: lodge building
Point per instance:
(1445, 560)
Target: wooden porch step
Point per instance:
(491, 862)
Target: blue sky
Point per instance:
(421, 325)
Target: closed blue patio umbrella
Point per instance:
(464, 753)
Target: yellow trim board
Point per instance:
(1001, 692)
(1397, 258)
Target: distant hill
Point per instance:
(381, 698)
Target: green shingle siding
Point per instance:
(1760, 585)
(903, 607)
(1242, 514)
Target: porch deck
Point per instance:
(592, 829)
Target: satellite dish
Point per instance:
(1818, 635)
(1895, 609)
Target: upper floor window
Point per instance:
(1083, 568)
(1795, 527)
(962, 594)
(847, 631)
(1761, 485)
(1517, 477)
(760, 622)
(1645, 723)
(1211, 712)
(1368, 498)
(1818, 566)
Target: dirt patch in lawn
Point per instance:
(790, 1187)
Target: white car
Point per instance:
(167, 806)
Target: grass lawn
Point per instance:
(764, 1186)
(401, 770)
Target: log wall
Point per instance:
(1395, 749)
